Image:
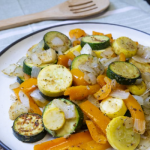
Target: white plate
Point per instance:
(19, 48)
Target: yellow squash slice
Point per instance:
(54, 119)
(119, 136)
(124, 45)
(113, 107)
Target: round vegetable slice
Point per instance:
(113, 107)
(138, 89)
(57, 41)
(124, 45)
(53, 80)
(71, 124)
(123, 72)
(119, 136)
(54, 119)
(96, 42)
(28, 127)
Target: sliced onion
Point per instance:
(69, 110)
(17, 109)
(76, 53)
(39, 100)
(60, 49)
(105, 62)
(94, 101)
(14, 85)
(138, 81)
(139, 99)
(113, 84)
(143, 51)
(28, 60)
(120, 94)
(10, 69)
(48, 56)
(87, 68)
(21, 60)
(35, 59)
(24, 99)
(69, 62)
(92, 78)
(107, 53)
(147, 102)
(145, 94)
(18, 71)
(138, 126)
(35, 71)
(38, 48)
(13, 98)
(140, 59)
(146, 76)
(57, 41)
(147, 117)
(86, 49)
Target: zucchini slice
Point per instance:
(96, 42)
(20, 79)
(28, 127)
(124, 72)
(27, 67)
(113, 107)
(57, 41)
(53, 80)
(120, 136)
(81, 59)
(124, 45)
(71, 125)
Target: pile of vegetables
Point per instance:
(92, 82)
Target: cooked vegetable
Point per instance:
(53, 80)
(65, 128)
(100, 120)
(57, 41)
(123, 72)
(100, 80)
(14, 85)
(92, 145)
(86, 49)
(107, 53)
(54, 119)
(64, 143)
(104, 91)
(20, 79)
(119, 136)
(29, 85)
(136, 113)
(144, 68)
(118, 93)
(63, 60)
(77, 33)
(137, 89)
(96, 134)
(38, 99)
(98, 53)
(16, 109)
(122, 57)
(75, 48)
(81, 59)
(81, 92)
(27, 67)
(78, 77)
(96, 42)
(28, 128)
(113, 107)
(124, 45)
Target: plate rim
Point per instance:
(53, 26)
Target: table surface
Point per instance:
(135, 14)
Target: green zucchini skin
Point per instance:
(48, 37)
(51, 98)
(27, 68)
(20, 80)
(79, 60)
(26, 138)
(120, 78)
(103, 43)
(77, 125)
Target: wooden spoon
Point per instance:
(72, 9)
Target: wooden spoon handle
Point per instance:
(21, 20)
